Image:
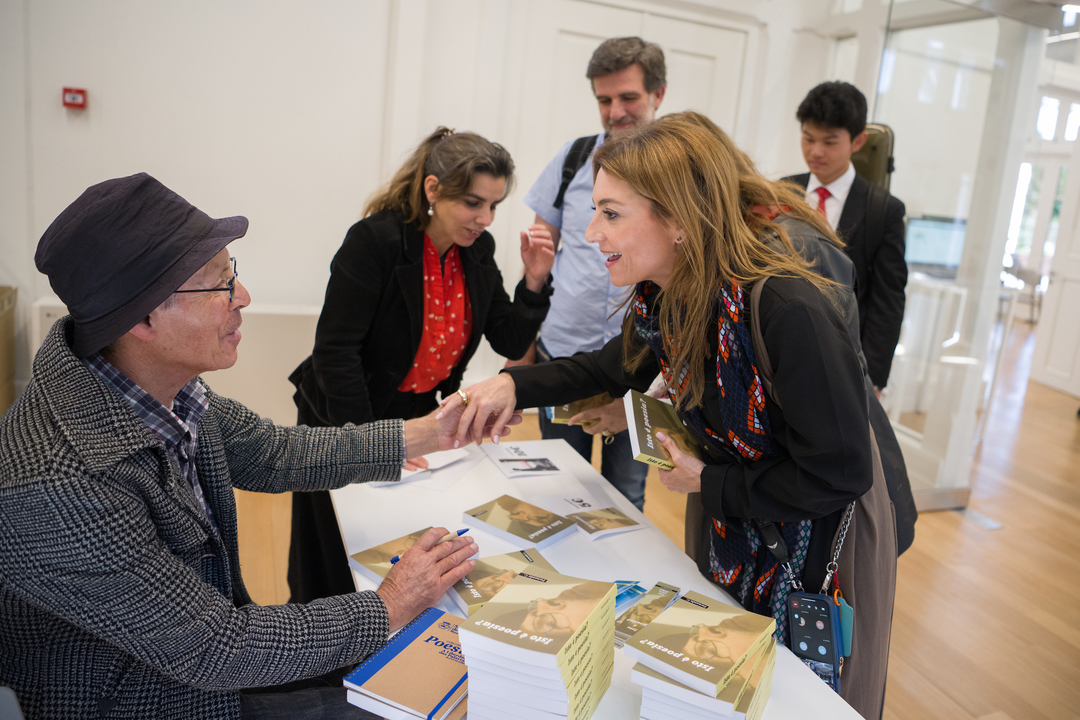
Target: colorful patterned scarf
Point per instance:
(738, 560)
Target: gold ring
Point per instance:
(464, 398)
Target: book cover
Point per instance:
(540, 617)
(725, 703)
(644, 611)
(645, 415)
(521, 459)
(700, 642)
(602, 522)
(561, 414)
(428, 647)
(596, 517)
(519, 522)
(491, 575)
(374, 563)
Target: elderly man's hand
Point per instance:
(426, 571)
(439, 430)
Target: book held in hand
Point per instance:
(491, 575)
(561, 414)
(700, 642)
(419, 673)
(519, 522)
(645, 415)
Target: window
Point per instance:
(1046, 125)
(1072, 122)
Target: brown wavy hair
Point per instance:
(455, 159)
(697, 180)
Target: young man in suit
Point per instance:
(868, 219)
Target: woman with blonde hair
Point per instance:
(685, 219)
(413, 289)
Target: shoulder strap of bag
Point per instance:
(761, 354)
(579, 153)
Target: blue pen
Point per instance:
(449, 536)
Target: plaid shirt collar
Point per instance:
(171, 426)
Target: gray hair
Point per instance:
(620, 53)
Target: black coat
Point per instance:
(369, 331)
(823, 425)
(881, 273)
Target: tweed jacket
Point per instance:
(118, 597)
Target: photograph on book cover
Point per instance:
(374, 563)
(521, 459)
(519, 522)
(555, 609)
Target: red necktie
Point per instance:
(822, 193)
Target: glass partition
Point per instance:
(958, 88)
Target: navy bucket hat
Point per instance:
(121, 249)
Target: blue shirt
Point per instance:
(584, 296)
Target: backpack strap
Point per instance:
(579, 153)
(761, 354)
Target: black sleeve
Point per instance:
(511, 327)
(357, 282)
(883, 306)
(580, 376)
(823, 423)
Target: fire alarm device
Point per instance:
(75, 98)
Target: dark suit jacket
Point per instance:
(372, 319)
(881, 273)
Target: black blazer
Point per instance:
(881, 274)
(372, 318)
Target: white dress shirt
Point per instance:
(838, 188)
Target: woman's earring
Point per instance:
(678, 241)
(430, 210)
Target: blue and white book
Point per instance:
(419, 673)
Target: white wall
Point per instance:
(292, 114)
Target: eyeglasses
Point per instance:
(230, 285)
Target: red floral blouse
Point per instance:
(447, 320)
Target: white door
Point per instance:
(709, 69)
(1056, 362)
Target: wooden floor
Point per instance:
(987, 621)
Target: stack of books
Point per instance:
(644, 611)
(385, 683)
(541, 649)
(491, 575)
(743, 698)
(702, 658)
(521, 523)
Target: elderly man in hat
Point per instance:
(120, 586)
